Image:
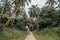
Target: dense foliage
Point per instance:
(13, 15)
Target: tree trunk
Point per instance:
(7, 22)
(9, 19)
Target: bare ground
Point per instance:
(30, 36)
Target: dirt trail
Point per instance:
(30, 36)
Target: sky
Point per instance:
(40, 3)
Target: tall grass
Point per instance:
(12, 34)
(48, 34)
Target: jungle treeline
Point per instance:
(14, 15)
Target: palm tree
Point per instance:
(18, 5)
(34, 12)
(51, 2)
(6, 7)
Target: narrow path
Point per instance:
(30, 36)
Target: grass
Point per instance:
(48, 34)
(12, 34)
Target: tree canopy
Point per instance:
(13, 14)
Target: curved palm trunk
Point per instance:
(7, 22)
(10, 18)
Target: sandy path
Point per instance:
(30, 36)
